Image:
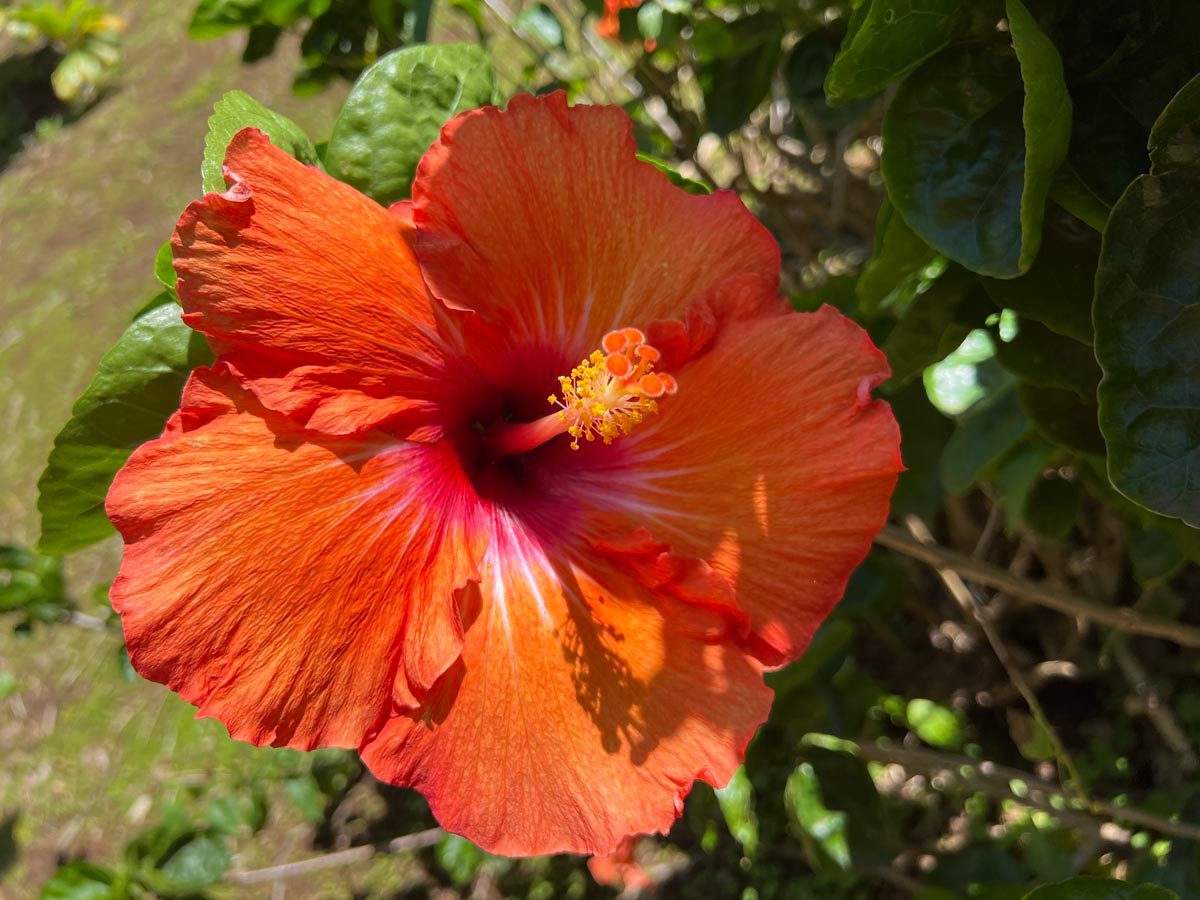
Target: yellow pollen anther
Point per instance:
(612, 390)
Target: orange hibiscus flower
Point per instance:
(367, 527)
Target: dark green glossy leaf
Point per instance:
(1175, 137)
(737, 61)
(1063, 417)
(885, 40)
(805, 72)
(1100, 889)
(935, 324)
(895, 267)
(982, 437)
(970, 155)
(1042, 357)
(135, 390)
(1058, 290)
(235, 111)
(395, 110)
(1147, 313)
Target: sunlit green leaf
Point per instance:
(135, 390)
(235, 111)
(395, 110)
(737, 805)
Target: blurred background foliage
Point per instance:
(1007, 702)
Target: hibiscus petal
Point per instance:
(581, 711)
(293, 587)
(774, 465)
(309, 290)
(540, 217)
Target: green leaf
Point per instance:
(737, 806)
(982, 437)
(968, 377)
(736, 62)
(135, 390)
(885, 40)
(1063, 417)
(807, 67)
(1053, 505)
(1058, 290)
(540, 20)
(822, 830)
(969, 156)
(164, 269)
(232, 812)
(1154, 554)
(395, 110)
(1175, 137)
(677, 178)
(459, 859)
(307, 797)
(1100, 889)
(199, 863)
(923, 435)
(1147, 313)
(81, 881)
(1017, 474)
(935, 324)
(896, 265)
(238, 110)
(935, 724)
(214, 18)
(836, 806)
(1047, 117)
(1040, 356)
(1077, 197)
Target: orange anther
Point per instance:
(648, 353)
(614, 342)
(634, 336)
(618, 365)
(651, 385)
(670, 385)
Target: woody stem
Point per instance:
(511, 439)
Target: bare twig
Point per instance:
(403, 844)
(983, 573)
(973, 607)
(1157, 712)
